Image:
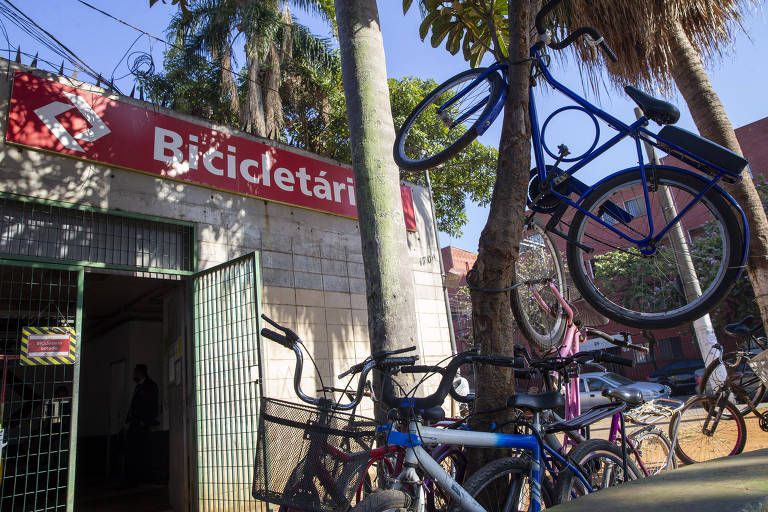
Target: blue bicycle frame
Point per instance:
(636, 130)
(416, 455)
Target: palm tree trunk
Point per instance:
(273, 104)
(388, 276)
(228, 79)
(713, 123)
(252, 113)
(492, 321)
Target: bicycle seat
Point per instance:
(433, 414)
(539, 402)
(630, 396)
(741, 327)
(655, 109)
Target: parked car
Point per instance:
(592, 384)
(680, 375)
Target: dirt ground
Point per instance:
(690, 434)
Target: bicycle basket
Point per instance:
(310, 459)
(759, 365)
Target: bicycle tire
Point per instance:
(752, 381)
(483, 485)
(693, 444)
(601, 463)
(377, 467)
(654, 447)
(646, 294)
(453, 138)
(454, 462)
(538, 258)
(379, 501)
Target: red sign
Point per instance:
(81, 124)
(48, 345)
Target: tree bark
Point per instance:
(252, 113)
(712, 122)
(389, 280)
(273, 104)
(228, 79)
(492, 321)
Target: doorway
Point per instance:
(123, 440)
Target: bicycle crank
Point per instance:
(764, 422)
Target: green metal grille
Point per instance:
(34, 229)
(226, 383)
(37, 411)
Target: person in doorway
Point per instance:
(141, 416)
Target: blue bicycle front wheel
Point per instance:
(677, 279)
(441, 126)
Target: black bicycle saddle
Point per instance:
(539, 402)
(632, 397)
(654, 109)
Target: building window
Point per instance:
(671, 348)
(635, 207)
(641, 357)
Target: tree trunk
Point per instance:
(252, 113)
(712, 122)
(492, 321)
(228, 79)
(273, 104)
(389, 279)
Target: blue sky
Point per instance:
(740, 78)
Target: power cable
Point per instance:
(175, 46)
(33, 29)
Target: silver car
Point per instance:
(592, 385)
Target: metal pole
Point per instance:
(705, 333)
(451, 334)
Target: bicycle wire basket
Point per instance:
(759, 365)
(310, 459)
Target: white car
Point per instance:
(592, 384)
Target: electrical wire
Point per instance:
(37, 32)
(220, 65)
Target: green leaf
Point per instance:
(426, 23)
(440, 29)
(406, 6)
(454, 40)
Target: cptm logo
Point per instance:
(48, 113)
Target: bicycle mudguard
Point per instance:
(720, 190)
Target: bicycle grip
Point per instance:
(513, 362)
(422, 368)
(356, 368)
(608, 52)
(272, 335)
(393, 362)
(605, 357)
(385, 353)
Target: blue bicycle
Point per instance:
(629, 234)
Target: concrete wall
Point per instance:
(312, 270)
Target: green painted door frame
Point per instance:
(76, 370)
(226, 303)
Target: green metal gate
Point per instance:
(227, 382)
(38, 401)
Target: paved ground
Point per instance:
(738, 484)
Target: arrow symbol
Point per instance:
(48, 113)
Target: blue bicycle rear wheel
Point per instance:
(644, 289)
(436, 131)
